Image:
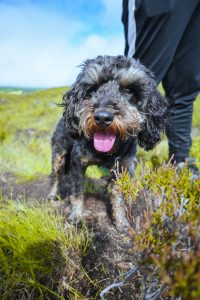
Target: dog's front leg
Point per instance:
(61, 144)
(129, 163)
(77, 187)
(118, 208)
(58, 165)
(77, 199)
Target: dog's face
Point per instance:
(115, 98)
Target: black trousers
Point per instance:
(168, 43)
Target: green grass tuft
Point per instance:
(36, 250)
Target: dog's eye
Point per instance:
(133, 97)
(89, 90)
(88, 93)
(129, 91)
(114, 105)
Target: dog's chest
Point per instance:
(85, 156)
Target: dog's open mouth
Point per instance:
(103, 142)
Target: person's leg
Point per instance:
(182, 84)
(158, 36)
(157, 41)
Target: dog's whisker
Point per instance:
(132, 134)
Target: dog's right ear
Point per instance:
(72, 99)
(71, 102)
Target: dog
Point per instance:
(112, 106)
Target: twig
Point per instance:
(127, 275)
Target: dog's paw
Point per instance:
(52, 197)
(53, 194)
(76, 215)
(122, 226)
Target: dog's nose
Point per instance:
(103, 117)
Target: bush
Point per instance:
(167, 242)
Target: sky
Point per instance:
(43, 41)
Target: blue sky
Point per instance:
(43, 42)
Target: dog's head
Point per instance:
(115, 98)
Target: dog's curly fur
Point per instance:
(123, 88)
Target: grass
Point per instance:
(196, 113)
(26, 125)
(37, 251)
(26, 160)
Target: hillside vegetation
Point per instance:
(43, 257)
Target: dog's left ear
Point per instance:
(154, 108)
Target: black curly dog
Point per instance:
(112, 105)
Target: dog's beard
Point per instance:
(104, 138)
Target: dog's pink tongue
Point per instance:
(103, 142)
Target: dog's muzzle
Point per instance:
(103, 141)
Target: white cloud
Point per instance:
(48, 53)
(51, 65)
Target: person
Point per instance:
(165, 37)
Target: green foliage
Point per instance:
(196, 113)
(195, 150)
(155, 157)
(168, 240)
(37, 250)
(128, 187)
